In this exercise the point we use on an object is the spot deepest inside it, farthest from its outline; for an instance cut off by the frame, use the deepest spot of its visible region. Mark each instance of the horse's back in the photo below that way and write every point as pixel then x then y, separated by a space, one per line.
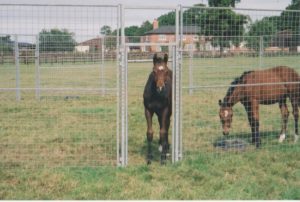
pixel 274 84
pixel 278 74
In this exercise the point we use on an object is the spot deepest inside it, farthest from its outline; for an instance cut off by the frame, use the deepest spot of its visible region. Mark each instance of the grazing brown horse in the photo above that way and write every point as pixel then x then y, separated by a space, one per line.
pixel 158 100
pixel 265 87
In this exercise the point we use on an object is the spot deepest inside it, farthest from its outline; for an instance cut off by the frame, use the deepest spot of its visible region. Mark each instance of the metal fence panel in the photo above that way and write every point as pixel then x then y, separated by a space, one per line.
pixel 63 71
pixel 229 42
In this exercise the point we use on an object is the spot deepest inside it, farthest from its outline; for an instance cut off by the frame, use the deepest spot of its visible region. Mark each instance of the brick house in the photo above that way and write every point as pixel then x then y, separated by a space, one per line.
pixel 166 34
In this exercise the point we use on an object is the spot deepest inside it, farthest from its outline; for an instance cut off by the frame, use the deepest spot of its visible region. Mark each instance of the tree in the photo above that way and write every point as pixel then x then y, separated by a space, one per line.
pixel 222 3
pixel 261 28
pixel 290 21
pixel 145 27
pixel 192 15
pixel 56 40
pixel 224 26
pixel 167 19
pixel 105 30
pixel 6 44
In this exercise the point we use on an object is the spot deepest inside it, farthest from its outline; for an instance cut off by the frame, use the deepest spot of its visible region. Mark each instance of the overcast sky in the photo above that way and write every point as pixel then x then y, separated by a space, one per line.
pixel 86 22
pixel 268 4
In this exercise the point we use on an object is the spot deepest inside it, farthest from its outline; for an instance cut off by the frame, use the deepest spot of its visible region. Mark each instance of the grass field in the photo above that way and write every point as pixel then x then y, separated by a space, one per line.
pixel 65 147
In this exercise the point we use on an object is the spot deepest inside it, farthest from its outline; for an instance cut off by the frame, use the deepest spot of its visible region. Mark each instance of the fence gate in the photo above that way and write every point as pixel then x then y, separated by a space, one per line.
pixel 132 80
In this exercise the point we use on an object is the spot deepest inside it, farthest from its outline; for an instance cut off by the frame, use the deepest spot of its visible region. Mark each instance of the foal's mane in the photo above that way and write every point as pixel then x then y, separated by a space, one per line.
pixel 236 81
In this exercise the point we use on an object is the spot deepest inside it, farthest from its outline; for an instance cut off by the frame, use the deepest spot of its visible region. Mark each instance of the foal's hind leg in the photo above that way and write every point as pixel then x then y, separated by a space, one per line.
pixel 149 115
pixel 296 117
pixel 285 115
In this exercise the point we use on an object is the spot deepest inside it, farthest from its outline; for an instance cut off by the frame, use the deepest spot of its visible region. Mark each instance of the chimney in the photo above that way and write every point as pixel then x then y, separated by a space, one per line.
pixel 155 24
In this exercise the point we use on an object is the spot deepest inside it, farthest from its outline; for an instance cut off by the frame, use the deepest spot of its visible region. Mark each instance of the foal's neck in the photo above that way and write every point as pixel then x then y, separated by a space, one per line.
pixel 234 97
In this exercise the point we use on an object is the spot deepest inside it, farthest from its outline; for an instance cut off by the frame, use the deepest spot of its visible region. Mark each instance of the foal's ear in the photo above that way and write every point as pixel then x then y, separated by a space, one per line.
pixel 166 58
pixel 154 58
pixel 220 103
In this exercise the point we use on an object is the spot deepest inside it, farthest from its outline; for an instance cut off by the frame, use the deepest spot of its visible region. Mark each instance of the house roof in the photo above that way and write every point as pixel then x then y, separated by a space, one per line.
pixel 171 30
pixel 91 42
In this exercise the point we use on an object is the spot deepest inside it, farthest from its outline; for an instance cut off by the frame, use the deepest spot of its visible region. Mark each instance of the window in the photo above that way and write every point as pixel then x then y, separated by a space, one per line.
pixel 162 37
pixel 196 38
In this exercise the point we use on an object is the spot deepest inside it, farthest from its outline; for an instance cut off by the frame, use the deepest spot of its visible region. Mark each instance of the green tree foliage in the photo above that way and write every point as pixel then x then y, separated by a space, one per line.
pixel 290 21
pixel 145 27
pixel 6 44
pixel 56 40
pixel 264 28
pixel 272 29
pixel 134 32
pixel 167 19
pixel 193 15
pixel 222 3
pixel 105 30
pixel 225 26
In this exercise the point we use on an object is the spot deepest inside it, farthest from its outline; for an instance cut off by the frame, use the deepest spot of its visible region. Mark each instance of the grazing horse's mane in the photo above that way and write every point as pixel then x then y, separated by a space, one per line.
pixel 236 81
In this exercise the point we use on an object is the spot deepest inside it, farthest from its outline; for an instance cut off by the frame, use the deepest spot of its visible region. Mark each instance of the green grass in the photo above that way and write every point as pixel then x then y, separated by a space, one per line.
pixel 257 175
pixel 59 148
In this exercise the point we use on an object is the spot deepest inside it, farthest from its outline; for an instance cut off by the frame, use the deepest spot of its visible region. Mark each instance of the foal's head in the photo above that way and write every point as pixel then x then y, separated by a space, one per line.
pixel 225 114
pixel 160 70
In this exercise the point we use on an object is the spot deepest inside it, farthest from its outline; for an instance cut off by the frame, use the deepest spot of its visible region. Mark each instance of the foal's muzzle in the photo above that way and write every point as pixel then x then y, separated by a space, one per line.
pixel 161 89
pixel 225 133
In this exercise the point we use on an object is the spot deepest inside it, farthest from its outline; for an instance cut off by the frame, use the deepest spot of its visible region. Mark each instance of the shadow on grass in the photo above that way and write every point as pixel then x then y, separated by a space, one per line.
pixel 242 140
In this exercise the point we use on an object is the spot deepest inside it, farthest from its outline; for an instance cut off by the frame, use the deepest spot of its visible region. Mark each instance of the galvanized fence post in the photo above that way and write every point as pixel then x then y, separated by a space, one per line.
pixel 102 65
pixel 180 10
pixel 191 72
pixel 123 95
pixel 118 55
pixel 17 64
pixel 261 50
pixel 176 133
pixel 37 68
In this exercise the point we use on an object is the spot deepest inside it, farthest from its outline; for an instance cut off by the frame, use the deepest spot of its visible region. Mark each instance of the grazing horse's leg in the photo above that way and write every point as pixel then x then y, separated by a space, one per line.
pixel 164 134
pixel 149 115
pixel 285 115
pixel 252 109
pixel 296 117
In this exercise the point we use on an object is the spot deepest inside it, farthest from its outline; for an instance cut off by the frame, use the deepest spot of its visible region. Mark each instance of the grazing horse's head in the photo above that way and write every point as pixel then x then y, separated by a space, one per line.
pixel 160 70
pixel 225 114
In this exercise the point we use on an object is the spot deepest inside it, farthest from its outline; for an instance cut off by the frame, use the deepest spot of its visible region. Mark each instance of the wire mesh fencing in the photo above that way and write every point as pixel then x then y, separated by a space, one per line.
pixel 70 87
pixel 58 86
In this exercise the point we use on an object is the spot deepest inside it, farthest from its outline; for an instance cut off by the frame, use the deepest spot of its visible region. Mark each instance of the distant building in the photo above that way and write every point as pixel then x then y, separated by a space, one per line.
pixel 89 45
pixel 166 34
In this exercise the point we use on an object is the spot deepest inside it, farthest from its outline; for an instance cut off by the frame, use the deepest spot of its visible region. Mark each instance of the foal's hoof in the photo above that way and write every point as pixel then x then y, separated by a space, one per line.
pixel 296 138
pixel 281 138
pixel 163 160
pixel 149 159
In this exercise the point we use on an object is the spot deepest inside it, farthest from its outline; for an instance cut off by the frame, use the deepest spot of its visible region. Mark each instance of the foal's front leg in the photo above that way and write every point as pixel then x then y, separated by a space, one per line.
pixel 252 109
pixel 164 125
pixel 285 115
pixel 149 115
